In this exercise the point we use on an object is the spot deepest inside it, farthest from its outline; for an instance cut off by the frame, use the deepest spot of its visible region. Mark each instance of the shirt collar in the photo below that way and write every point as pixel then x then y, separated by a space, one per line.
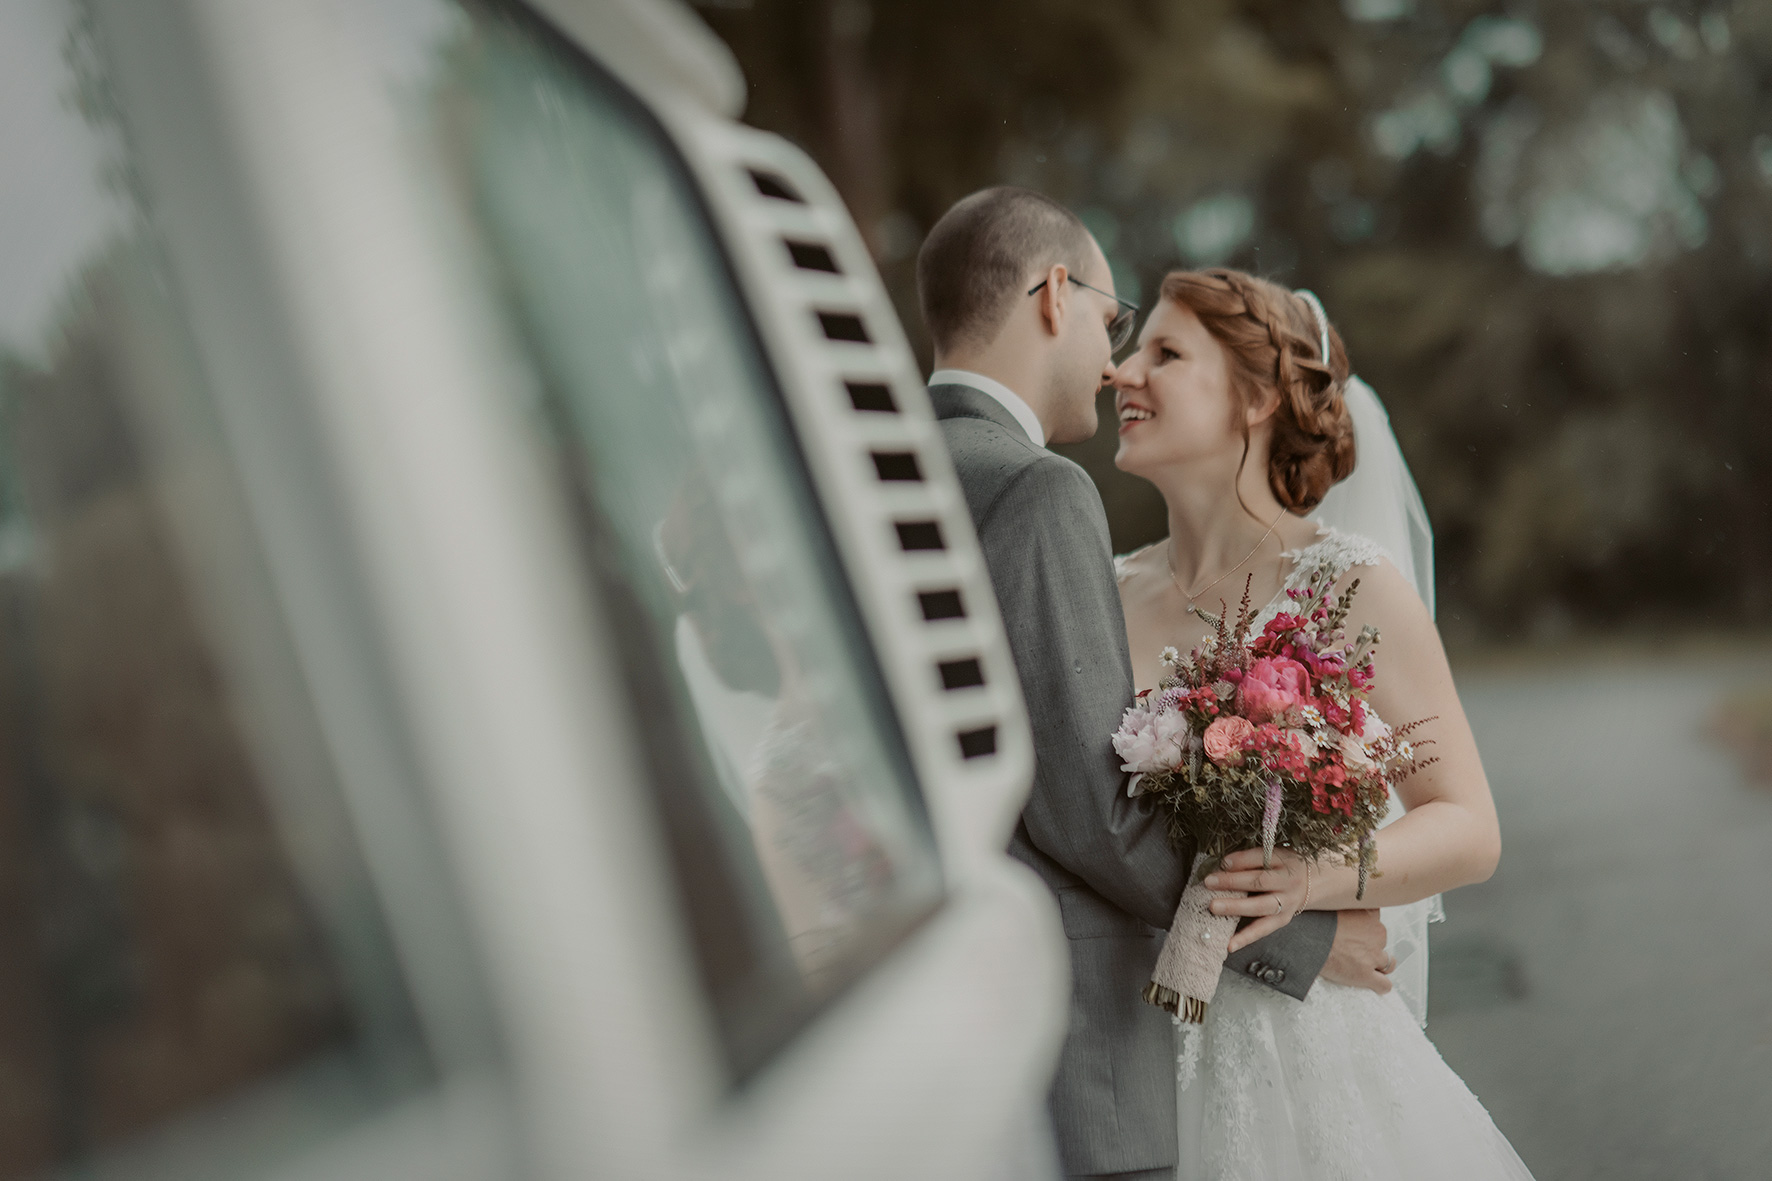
pixel 1023 413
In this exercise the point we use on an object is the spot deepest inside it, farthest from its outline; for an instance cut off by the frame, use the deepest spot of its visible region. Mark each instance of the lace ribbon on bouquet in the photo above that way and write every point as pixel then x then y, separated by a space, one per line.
pixel 1186 976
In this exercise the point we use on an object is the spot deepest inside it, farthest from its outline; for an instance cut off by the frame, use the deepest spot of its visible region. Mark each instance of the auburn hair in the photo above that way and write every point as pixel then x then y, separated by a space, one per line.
pixel 1271 337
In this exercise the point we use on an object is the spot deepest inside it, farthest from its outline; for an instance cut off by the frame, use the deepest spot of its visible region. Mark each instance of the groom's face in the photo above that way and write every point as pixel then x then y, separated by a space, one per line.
pixel 1084 359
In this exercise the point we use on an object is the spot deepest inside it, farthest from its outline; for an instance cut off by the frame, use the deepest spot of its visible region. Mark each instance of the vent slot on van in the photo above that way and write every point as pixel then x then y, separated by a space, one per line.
pixel 961 674
pixel 810 256
pixel 771 185
pixel 920 535
pixel 871 397
pixel 845 326
pixel 898 466
pixel 977 743
pixel 938 605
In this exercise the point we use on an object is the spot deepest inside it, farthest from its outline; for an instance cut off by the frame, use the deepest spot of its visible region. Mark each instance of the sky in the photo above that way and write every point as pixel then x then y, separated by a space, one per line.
pixel 54 212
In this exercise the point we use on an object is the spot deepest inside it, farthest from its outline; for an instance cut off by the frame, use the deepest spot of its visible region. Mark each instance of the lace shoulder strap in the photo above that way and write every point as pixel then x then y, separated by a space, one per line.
pixel 1337 550
pixel 1120 560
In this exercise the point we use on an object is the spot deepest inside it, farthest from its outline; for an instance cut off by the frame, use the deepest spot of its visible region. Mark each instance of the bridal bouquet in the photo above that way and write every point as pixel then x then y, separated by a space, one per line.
pixel 1262 739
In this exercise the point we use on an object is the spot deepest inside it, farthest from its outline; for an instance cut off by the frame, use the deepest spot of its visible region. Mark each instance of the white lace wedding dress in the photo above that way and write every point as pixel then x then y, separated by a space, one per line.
pixel 1343 1084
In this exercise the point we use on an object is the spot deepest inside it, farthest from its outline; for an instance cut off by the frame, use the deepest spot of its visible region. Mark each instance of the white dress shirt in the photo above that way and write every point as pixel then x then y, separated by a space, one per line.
pixel 1024 414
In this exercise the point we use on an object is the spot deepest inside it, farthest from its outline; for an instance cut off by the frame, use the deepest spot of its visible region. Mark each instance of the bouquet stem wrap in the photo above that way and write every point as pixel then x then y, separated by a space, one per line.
pixel 1186 976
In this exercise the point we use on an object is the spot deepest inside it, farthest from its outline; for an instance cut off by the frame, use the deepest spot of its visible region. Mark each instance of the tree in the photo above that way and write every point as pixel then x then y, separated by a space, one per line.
pixel 1542 231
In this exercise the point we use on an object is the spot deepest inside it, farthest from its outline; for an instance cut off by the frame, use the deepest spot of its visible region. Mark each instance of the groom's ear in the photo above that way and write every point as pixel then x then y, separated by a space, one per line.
pixel 1053 297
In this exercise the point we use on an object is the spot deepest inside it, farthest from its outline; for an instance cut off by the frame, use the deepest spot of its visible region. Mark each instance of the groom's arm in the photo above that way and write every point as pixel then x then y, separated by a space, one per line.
pixel 1045 540
pixel 1290 959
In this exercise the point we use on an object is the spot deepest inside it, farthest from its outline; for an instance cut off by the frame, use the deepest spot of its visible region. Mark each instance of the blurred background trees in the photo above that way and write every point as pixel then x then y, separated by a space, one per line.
pixel 1545 231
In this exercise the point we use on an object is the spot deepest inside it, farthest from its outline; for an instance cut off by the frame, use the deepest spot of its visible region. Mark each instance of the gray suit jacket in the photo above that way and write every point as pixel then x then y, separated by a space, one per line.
pixel 1109 859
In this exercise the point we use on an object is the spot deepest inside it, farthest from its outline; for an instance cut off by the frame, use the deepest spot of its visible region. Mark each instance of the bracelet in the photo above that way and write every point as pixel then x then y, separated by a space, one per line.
pixel 1306 904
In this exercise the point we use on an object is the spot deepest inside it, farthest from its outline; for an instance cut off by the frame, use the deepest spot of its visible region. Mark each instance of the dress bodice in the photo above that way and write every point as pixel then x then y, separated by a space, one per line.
pixel 1339 551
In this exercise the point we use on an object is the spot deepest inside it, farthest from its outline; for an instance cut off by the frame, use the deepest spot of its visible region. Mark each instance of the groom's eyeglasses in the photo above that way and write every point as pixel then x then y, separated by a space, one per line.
pixel 1120 329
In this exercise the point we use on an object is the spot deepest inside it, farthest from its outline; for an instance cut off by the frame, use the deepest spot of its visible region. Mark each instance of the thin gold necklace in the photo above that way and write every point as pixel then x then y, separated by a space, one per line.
pixel 1191 598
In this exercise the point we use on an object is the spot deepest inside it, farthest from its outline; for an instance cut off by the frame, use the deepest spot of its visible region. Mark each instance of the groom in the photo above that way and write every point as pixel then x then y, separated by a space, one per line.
pixel 1020 303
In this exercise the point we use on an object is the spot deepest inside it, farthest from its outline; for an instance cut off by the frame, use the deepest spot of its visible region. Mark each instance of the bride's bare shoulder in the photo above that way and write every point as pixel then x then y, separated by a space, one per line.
pixel 1386 599
pixel 1379 578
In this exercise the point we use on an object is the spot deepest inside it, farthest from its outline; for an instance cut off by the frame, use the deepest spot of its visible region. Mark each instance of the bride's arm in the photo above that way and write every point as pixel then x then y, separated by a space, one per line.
pixel 1449 837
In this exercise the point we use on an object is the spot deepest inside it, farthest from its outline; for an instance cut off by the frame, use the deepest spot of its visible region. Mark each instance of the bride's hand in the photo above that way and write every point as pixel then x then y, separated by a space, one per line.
pixel 1274 895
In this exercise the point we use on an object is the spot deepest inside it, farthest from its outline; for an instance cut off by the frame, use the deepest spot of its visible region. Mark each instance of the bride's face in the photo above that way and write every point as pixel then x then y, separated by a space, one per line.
pixel 1174 396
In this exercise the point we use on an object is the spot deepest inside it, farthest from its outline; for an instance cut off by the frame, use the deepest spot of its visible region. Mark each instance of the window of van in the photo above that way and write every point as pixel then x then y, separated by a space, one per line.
pixel 801 847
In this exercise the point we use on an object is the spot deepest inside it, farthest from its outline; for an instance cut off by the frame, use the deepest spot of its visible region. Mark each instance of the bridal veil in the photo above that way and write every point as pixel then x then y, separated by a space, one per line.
pixel 1380 502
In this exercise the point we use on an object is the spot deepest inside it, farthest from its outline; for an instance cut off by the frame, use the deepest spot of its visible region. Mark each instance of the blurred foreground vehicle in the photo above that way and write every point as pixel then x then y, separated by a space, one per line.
pixel 496 676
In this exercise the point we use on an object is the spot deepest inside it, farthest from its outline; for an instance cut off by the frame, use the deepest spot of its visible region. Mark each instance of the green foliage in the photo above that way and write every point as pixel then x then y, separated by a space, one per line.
pixel 1588 429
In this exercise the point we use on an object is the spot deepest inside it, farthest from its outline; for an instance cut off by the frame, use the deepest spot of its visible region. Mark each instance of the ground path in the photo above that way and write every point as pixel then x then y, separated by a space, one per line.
pixel 1608 994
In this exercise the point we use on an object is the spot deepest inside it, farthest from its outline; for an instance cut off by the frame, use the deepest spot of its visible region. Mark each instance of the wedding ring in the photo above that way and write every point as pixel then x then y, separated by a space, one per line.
pixel 1279 905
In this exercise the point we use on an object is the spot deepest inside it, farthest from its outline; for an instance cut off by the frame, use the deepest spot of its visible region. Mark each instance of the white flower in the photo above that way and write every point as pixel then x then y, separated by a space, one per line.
pixel 1169 658
pixel 1307 746
pixel 1151 740
pixel 1356 756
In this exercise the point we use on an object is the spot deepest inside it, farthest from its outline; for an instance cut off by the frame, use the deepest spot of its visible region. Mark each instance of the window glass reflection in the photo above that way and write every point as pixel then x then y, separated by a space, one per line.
pixel 798 834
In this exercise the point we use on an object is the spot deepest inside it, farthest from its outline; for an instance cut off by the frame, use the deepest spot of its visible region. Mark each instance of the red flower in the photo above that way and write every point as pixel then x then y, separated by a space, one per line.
pixel 1281 624
pixel 1326 776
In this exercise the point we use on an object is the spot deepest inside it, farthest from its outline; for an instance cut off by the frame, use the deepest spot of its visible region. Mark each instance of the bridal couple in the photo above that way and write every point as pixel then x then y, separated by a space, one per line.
pixel 1239 406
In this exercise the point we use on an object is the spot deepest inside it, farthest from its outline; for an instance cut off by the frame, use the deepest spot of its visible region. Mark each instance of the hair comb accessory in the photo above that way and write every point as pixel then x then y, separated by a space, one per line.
pixel 1310 297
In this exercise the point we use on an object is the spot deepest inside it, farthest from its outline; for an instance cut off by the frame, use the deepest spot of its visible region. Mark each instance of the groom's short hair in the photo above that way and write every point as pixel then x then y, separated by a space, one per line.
pixel 972 265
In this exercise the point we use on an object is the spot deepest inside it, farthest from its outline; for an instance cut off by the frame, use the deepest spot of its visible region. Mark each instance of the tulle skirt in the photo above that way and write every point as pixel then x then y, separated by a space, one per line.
pixel 1343 1084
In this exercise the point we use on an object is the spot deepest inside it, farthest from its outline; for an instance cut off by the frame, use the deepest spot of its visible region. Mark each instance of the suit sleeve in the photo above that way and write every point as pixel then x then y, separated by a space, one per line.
pixel 1045 540
pixel 1299 950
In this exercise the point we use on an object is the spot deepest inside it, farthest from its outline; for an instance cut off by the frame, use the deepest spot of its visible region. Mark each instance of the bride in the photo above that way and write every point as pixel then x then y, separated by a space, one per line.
pixel 1237 407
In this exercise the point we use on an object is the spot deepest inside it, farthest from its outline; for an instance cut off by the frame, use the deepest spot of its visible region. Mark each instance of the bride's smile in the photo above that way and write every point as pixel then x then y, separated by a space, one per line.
pixel 1131 413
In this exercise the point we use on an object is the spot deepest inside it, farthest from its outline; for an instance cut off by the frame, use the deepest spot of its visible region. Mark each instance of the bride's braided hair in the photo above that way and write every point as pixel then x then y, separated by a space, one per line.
pixel 1272 339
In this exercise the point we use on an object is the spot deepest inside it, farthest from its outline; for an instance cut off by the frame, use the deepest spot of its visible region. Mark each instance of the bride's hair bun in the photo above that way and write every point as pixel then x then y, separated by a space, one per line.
pixel 1272 338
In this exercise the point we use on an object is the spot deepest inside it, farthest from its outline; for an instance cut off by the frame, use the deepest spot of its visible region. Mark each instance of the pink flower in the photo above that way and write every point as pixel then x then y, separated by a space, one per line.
pixel 1225 738
pixel 1273 686
pixel 1375 729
